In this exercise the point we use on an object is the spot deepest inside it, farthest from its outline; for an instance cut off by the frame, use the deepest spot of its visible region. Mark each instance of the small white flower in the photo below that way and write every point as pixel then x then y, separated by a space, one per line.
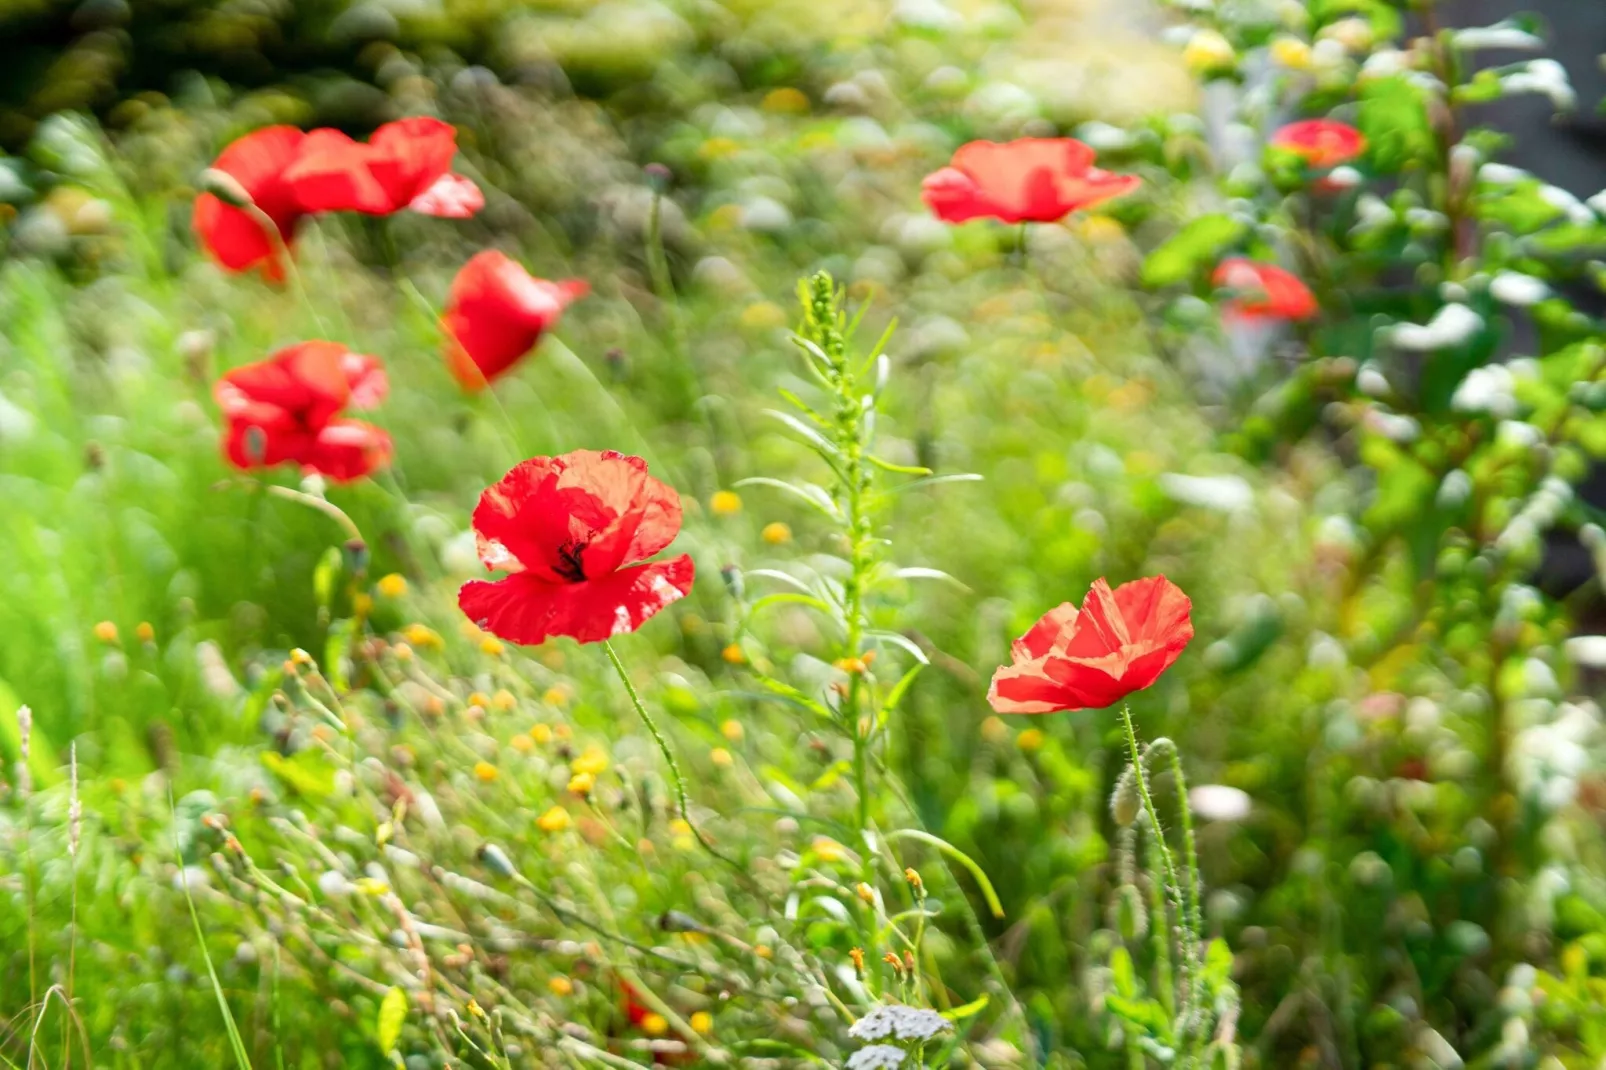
pixel 1104 137
pixel 877 1057
pixel 905 1023
pixel 1455 490
pixel 1453 325
pixel 1501 174
pixel 1219 802
pixel 1543 76
pixel 1577 211
pixel 1503 34
pixel 1487 389
pixel 333 883
pixel 1343 177
pixel 1588 651
pixel 1515 288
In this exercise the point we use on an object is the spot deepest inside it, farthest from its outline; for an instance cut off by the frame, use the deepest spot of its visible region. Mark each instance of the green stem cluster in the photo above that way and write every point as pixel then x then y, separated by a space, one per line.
pixel 1180 898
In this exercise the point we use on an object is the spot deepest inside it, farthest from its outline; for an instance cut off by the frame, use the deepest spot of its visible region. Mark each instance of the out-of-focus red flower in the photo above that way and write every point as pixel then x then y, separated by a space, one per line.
pixel 405 164
pixel 289 174
pixel 1321 143
pixel 234 236
pixel 287 409
pixel 568 529
pixel 1264 291
pixel 1030 180
pixel 496 312
pixel 1119 642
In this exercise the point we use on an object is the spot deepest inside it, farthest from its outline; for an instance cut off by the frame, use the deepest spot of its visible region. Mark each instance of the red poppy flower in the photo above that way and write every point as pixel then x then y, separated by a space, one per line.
pixel 287 408
pixel 405 164
pixel 1265 291
pixel 1119 642
pixel 1321 143
pixel 258 162
pixel 495 313
pixel 1031 180
pixel 568 529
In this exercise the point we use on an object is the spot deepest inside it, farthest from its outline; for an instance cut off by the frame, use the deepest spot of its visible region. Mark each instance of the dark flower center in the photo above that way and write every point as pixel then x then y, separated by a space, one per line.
pixel 569 565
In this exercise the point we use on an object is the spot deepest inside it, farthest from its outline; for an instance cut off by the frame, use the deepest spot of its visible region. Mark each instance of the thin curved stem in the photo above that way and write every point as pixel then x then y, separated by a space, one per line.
pixel 679 781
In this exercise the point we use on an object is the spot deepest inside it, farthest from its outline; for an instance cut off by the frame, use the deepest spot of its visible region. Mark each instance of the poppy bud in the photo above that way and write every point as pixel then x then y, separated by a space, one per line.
pixel 673 921
pixel 733 581
pixel 496 860
pixel 1131 915
pixel 1159 751
pixel 1125 801
pixel 225 187
pixel 356 554
pixel 659 177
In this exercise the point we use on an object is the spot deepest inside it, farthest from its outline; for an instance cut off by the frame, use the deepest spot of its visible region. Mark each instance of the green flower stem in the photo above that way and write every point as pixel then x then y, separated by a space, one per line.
pixel 658 737
pixel 1188 936
pixel 681 802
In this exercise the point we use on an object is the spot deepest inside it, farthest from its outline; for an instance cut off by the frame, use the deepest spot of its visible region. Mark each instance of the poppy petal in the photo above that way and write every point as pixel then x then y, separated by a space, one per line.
pixel 332 174
pixel 1023 688
pixel 495 313
pixel 1051 631
pixel 409 155
pixel 235 237
pixel 348 449
pixel 525 609
pixel 449 197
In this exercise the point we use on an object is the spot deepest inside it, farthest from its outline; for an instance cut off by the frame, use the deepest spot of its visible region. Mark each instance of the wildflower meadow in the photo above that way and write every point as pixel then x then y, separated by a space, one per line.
pixel 876 534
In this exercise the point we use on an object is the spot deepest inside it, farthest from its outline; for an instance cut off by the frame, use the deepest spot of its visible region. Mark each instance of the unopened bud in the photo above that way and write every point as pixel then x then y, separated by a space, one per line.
pixel 659 176
pixel 496 860
pixel 865 892
pixel 913 877
pixel 225 187
pixel 356 554
pixel 1131 915
pixel 1125 800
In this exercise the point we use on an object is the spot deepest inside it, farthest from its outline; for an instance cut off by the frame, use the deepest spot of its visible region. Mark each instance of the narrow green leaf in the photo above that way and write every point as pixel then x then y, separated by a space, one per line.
pixel 957 855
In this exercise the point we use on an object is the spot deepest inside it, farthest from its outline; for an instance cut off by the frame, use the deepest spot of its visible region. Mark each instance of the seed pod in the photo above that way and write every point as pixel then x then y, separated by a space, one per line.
pixel 1125 801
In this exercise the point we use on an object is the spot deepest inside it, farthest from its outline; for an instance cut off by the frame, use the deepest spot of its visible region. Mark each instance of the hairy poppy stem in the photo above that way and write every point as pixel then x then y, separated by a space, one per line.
pixel 669 757
pixel 1174 888
pixel 652 726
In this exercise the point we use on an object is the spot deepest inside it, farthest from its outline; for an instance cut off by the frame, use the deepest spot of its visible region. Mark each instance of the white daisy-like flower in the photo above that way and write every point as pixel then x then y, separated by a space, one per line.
pixel 896 1020
pixel 877 1057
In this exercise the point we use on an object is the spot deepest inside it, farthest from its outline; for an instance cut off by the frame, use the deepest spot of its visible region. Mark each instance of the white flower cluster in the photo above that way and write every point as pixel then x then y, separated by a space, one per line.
pixel 877 1057
pixel 905 1023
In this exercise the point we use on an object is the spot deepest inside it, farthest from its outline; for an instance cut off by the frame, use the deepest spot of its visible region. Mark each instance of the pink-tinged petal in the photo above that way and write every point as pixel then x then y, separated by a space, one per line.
pixel 1092 683
pixel 451 196
pixel 366 379
pixel 1100 629
pixel 409 155
pixel 953 197
pixel 524 609
pixel 1053 630
pixel 1023 688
